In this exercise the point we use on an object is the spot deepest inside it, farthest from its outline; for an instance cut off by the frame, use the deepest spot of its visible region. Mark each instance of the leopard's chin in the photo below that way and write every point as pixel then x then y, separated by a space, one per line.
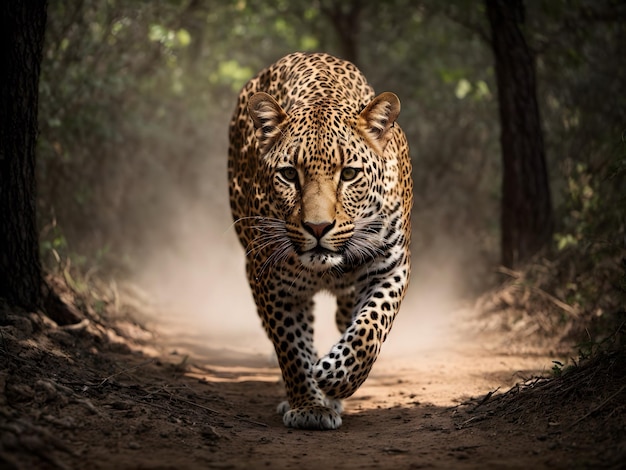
pixel 320 259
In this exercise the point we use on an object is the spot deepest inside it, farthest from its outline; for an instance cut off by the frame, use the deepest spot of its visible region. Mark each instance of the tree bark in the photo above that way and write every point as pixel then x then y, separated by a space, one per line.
pixel 344 16
pixel 526 211
pixel 22 27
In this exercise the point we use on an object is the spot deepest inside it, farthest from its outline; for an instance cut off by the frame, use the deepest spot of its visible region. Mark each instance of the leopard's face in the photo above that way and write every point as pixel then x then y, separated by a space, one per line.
pixel 327 186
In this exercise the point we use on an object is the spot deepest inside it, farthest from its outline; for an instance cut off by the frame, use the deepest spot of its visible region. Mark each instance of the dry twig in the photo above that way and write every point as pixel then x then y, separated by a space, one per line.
pixel 599 407
pixel 125 371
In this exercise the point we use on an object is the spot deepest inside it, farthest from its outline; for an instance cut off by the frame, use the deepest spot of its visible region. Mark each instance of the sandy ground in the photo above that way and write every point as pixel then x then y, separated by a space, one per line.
pixel 115 393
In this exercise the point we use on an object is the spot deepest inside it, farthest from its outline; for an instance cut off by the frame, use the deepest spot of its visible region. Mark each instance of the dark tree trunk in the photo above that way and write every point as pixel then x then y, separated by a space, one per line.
pixel 344 16
pixel 526 217
pixel 22 26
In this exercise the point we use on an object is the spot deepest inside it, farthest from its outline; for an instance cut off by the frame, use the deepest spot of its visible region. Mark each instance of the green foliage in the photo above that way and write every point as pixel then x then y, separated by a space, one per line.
pixel 592 254
pixel 558 368
pixel 595 204
pixel 231 73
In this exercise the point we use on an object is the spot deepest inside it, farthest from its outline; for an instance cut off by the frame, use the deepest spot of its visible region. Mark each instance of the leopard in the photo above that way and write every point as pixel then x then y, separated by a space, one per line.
pixel 321 194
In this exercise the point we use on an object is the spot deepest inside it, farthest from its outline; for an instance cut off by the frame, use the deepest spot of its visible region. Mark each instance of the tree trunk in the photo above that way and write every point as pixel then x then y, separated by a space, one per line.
pixel 22 27
pixel 344 16
pixel 526 212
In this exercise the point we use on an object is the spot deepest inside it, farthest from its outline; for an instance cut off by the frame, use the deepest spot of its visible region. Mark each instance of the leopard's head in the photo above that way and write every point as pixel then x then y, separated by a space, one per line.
pixel 326 176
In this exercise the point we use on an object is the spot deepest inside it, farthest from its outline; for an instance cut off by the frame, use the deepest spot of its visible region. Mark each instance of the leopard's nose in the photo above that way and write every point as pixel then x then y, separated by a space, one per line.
pixel 318 230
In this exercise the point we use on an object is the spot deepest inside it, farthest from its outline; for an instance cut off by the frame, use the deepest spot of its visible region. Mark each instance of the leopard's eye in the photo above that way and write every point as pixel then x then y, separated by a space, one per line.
pixel 348 173
pixel 289 173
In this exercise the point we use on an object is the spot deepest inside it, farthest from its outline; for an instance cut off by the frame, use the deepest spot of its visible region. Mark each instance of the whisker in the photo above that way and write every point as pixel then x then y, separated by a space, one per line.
pixel 272 241
pixel 277 256
pixel 361 248
pixel 257 217
pixel 297 276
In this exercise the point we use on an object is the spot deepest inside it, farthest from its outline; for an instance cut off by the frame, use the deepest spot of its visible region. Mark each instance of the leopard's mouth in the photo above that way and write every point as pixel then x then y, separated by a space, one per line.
pixel 317 250
pixel 320 258
pixel 321 251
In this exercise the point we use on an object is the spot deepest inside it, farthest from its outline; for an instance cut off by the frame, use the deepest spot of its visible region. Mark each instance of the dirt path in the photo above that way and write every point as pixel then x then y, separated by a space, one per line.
pixel 113 395
pixel 405 416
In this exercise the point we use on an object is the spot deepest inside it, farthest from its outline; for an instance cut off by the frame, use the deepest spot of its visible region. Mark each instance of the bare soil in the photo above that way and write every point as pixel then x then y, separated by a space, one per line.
pixel 111 392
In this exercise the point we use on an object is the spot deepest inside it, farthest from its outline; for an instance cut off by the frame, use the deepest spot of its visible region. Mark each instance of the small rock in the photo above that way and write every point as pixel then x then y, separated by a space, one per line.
pixel 210 433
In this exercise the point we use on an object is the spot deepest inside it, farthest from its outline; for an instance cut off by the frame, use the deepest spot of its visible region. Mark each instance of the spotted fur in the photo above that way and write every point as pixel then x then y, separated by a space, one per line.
pixel 321 195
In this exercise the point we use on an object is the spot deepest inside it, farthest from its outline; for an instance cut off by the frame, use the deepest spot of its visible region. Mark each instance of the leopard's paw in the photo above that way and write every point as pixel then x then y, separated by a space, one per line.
pixel 312 417
pixel 283 407
pixel 336 405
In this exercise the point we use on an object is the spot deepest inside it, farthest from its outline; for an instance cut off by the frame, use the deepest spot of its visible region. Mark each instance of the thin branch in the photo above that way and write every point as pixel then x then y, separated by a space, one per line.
pixel 599 407
pixel 559 303
pixel 125 371
pixel 485 399
pixel 473 27
pixel 211 410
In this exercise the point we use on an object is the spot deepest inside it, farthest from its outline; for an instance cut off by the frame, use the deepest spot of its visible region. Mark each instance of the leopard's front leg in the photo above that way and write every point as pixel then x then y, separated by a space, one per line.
pixel 342 371
pixel 288 321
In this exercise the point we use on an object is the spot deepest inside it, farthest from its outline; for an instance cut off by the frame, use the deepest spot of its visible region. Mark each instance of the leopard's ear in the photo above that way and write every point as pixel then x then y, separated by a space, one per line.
pixel 376 120
pixel 268 117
